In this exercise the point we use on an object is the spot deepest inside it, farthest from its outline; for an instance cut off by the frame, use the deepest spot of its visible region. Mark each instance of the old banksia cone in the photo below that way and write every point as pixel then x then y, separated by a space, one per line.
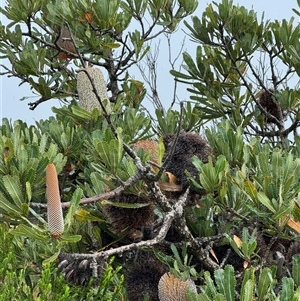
pixel 171 288
pixel 266 100
pixel 142 276
pixel 87 97
pixel 65 42
pixel 129 222
pixel 187 146
pixel 54 209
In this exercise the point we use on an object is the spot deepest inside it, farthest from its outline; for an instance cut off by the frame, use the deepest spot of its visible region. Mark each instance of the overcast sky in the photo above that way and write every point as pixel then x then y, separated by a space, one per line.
pixel 10 92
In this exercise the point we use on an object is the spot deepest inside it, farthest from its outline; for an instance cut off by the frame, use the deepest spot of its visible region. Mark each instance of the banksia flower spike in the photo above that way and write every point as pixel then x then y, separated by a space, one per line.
pixel 87 98
pixel 171 288
pixel 54 209
pixel 148 145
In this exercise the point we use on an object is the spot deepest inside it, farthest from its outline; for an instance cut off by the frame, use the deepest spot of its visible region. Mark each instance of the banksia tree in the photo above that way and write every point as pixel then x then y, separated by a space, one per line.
pixel 171 288
pixel 54 209
pixel 87 98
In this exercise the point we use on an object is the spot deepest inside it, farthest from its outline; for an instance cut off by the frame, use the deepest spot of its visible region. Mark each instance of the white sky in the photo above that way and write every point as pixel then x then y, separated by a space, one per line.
pixel 10 92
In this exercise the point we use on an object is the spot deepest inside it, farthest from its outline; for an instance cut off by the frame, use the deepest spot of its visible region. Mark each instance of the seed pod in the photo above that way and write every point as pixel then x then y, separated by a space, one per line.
pixel 267 102
pixel 64 42
pixel 128 221
pixel 142 275
pixel 54 209
pixel 188 145
pixel 87 98
pixel 171 288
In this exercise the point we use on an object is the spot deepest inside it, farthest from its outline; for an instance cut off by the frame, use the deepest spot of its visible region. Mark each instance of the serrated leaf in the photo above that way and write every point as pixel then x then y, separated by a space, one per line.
pixel 266 201
pixel 251 190
pixel 220 297
pixel 296 269
pixel 200 297
pixel 229 282
pixel 13 187
pixel 219 279
pixel 247 292
pixel 212 291
pixel 287 291
pixel 264 282
pixel 22 160
pixel 97 182
pixel 28 191
pixel 26 231
pixel 8 207
pixel 52 152
pixel 70 238
pixel 51 259
pixel 81 113
pixel 284 210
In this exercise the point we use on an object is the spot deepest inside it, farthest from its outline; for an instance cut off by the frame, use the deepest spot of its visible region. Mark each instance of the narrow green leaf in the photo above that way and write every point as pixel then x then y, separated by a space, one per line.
pixel 266 201
pixel 125 205
pixel 284 210
pixel 76 197
pixel 120 143
pixel 247 290
pixel 251 190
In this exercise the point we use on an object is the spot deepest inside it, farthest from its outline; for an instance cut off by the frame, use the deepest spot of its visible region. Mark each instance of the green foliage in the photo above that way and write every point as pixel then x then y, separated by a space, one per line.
pixel 101 31
pixel 244 200
pixel 179 264
pixel 221 72
pixel 167 122
pixel 26 153
pixel 246 249
pixel 261 286
pixel 26 279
